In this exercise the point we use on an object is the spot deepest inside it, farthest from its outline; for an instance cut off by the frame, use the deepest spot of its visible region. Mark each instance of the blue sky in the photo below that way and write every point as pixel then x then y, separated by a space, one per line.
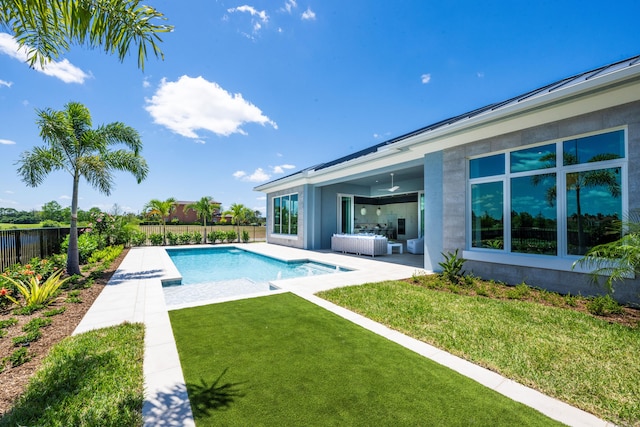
pixel 252 90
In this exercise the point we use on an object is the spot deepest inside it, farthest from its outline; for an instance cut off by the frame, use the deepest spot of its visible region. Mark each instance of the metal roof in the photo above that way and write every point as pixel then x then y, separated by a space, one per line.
pixel 555 86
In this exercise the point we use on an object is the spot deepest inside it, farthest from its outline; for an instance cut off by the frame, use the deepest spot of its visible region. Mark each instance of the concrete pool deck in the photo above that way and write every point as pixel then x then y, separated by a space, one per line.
pixel 134 294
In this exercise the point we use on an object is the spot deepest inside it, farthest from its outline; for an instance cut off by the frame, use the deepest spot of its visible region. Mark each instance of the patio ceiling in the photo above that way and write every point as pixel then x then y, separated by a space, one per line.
pixel 382 178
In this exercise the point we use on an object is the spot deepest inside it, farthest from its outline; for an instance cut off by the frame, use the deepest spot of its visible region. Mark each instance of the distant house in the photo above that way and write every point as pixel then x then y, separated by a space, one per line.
pixel 189 216
pixel 523 187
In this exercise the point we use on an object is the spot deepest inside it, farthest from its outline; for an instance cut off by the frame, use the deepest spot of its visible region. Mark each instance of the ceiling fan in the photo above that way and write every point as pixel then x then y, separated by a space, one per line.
pixel 393 187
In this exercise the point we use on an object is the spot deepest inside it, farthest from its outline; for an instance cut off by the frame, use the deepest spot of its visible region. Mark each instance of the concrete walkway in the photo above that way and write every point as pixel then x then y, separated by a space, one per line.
pixel 134 294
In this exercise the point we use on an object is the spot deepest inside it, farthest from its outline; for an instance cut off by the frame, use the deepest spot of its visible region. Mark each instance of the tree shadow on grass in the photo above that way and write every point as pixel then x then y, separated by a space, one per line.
pixel 206 398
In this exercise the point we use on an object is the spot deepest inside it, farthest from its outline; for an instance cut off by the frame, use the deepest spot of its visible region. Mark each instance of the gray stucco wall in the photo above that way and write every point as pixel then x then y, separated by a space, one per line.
pixel 454 193
pixel 433 210
pixel 279 239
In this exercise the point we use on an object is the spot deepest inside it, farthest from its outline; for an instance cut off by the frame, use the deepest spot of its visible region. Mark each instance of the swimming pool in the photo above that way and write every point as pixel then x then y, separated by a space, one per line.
pixel 211 273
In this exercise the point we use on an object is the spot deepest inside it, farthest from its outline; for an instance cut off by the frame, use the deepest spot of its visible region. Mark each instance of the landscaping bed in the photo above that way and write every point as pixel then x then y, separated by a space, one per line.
pixel 76 303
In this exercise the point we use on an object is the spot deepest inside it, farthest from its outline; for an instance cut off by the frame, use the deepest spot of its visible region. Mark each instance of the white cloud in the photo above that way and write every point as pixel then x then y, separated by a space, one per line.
pixel 480 74
pixel 308 15
pixel 62 70
pixel 258 17
pixel 259 175
pixel 7 142
pixel 8 192
pixel 190 104
pixel 8 202
pixel 289 5
pixel 64 197
pixel 5 83
pixel 261 198
pixel 281 168
pixel 426 78
pixel 146 83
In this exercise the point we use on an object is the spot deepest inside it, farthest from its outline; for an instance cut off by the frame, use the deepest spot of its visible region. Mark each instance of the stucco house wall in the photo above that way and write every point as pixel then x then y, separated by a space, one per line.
pixel 297 241
pixel 454 170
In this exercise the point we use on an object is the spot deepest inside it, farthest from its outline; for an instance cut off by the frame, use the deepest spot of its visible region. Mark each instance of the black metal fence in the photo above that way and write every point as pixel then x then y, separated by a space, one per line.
pixel 20 246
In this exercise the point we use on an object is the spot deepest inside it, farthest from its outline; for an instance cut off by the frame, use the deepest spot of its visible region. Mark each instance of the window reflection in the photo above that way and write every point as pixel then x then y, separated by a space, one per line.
pixel 533 215
pixel 486 166
pixel 487 223
pixel 594 208
pixel 542 157
pixel 595 148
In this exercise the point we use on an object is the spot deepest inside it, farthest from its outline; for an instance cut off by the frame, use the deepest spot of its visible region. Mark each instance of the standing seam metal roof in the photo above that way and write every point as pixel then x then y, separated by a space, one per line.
pixel 563 83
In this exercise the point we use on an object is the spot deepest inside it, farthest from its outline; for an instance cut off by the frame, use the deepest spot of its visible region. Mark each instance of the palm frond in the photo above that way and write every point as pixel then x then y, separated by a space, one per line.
pixel 34 166
pixel 48 28
pixel 127 161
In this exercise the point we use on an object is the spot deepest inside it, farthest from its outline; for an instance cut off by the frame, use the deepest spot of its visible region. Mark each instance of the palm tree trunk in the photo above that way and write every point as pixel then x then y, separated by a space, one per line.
pixel 73 255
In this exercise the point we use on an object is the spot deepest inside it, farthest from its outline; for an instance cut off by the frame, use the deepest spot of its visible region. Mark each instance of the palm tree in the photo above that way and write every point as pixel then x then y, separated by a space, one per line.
pixel 163 209
pixel 74 147
pixel 205 208
pixel 239 214
pixel 48 28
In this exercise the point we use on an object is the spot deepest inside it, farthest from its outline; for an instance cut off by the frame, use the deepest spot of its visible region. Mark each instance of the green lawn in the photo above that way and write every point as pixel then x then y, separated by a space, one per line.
pixel 91 379
pixel 280 360
pixel 580 359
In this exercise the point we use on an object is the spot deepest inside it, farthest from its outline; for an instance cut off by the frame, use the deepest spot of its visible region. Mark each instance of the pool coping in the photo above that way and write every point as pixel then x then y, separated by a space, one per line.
pixel 134 294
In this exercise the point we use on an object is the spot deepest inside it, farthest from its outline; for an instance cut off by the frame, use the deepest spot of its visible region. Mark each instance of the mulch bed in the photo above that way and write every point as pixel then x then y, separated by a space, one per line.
pixel 14 380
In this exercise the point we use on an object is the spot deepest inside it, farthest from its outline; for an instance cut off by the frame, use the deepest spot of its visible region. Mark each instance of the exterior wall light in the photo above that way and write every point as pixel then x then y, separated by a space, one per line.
pixel 363 211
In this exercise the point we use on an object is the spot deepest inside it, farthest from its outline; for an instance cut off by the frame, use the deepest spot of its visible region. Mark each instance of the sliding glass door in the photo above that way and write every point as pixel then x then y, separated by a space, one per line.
pixel 345 213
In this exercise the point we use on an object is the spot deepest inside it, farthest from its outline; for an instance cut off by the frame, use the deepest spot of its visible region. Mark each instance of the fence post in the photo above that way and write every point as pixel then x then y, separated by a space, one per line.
pixel 18 247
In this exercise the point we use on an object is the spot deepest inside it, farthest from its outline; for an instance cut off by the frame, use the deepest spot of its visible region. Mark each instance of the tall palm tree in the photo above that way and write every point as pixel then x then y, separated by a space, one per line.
pixel 48 28
pixel 205 208
pixel 162 209
pixel 72 146
pixel 239 213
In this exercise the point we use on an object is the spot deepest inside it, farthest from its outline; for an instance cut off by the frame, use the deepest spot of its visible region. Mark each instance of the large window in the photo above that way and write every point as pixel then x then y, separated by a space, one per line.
pixel 527 201
pixel 285 214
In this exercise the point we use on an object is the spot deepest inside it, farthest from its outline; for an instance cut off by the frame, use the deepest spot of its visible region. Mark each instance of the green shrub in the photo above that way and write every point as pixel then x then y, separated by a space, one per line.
pixel 520 291
pixel 452 266
pixel 35 324
pixel 28 338
pixel 106 255
pixel 231 236
pixel 603 305
pixel 19 357
pixel 196 237
pixel 54 312
pixel 245 236
pixel 155 239
pixel 217 236
pixel 87 244
pixel 139 238
pixel 172 238
pixel 570 300
pixel 36 294
pixel 184 238
pixel 9 322
pixel 49 224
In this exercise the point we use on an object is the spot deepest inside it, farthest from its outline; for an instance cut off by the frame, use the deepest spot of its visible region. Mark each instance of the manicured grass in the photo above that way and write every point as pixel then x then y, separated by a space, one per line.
pixel 280 360
pixel 91 379
pixel 582 360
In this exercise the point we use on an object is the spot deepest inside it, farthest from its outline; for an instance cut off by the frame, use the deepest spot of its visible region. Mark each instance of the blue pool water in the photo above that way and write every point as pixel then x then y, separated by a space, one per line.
pixel 212 273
